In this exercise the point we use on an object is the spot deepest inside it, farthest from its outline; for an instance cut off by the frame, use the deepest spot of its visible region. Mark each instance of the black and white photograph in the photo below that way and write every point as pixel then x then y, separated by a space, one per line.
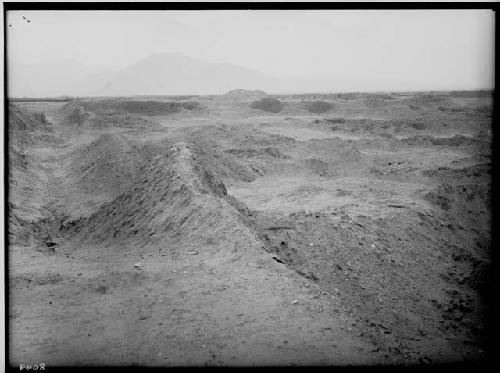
pixel 239 186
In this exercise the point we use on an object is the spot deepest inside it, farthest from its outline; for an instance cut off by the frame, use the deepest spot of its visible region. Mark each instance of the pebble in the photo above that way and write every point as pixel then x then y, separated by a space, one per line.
pixel 311 244
pixel 295 301
pixel 137 265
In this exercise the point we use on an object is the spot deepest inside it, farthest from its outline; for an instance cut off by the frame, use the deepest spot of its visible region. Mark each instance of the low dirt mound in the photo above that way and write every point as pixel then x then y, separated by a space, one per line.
pixel 228 137
pixel 457 140
pixel 329 156
pixel 110 164
pixel 28 130
pixel 140 107
pixel 73 113
pixel 243 152
pixel 269 104
pixel 329 124
pixel 107 120
pixel 25 192
pixel 245 94
pixel 317 165
pixel 376 101
pixel 418 125
pixel 19 120
pixel 87 116
pixel 331 150
pixel 467 173
pixel 318 107
pixel 225 167
pixel 464 194
pixel 27 175
pixel 177 196
pixel 426 101
pixel 472 94
pixel 252 152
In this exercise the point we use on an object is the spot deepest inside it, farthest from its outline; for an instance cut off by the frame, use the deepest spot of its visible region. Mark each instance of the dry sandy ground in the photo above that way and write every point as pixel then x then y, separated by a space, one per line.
pixel 356 236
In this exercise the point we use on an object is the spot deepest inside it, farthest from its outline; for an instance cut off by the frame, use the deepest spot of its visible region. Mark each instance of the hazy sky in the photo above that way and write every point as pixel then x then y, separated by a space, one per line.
pixel 432 48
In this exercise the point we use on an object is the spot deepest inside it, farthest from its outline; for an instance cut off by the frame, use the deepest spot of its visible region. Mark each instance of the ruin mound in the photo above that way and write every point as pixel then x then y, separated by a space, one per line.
pixel 318 107
pixel 245 94
pixel 268 104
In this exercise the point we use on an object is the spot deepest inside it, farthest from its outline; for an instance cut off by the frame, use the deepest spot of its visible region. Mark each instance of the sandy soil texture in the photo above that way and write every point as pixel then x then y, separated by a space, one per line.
pixel 349 229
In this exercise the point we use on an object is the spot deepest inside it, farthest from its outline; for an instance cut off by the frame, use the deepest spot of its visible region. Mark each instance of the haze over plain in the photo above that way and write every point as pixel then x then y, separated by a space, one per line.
pixel 103 53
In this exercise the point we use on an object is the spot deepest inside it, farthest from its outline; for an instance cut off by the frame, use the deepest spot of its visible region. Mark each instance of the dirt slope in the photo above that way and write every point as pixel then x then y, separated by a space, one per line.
pixel 239 237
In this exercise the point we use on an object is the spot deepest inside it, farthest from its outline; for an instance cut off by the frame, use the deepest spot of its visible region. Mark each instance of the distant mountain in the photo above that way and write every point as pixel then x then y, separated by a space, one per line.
pixel 159 74
pixel 54 78
pixel 173 73
pixel 176 74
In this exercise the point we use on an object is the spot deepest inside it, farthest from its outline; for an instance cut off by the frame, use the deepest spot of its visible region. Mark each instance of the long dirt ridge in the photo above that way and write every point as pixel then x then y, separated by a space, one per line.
pixel 318 240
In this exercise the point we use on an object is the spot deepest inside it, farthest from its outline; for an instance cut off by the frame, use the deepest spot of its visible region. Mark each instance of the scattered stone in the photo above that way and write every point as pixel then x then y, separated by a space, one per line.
pixel 278 260
pixel 137 265
pixel 295 301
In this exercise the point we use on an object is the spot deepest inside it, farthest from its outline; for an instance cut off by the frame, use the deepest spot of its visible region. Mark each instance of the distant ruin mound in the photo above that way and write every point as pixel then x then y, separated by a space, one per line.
pixel 140 107
pixel 472 94
pixel 245 94
pixel 269 104
pixel 318 107
pixel 102 115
